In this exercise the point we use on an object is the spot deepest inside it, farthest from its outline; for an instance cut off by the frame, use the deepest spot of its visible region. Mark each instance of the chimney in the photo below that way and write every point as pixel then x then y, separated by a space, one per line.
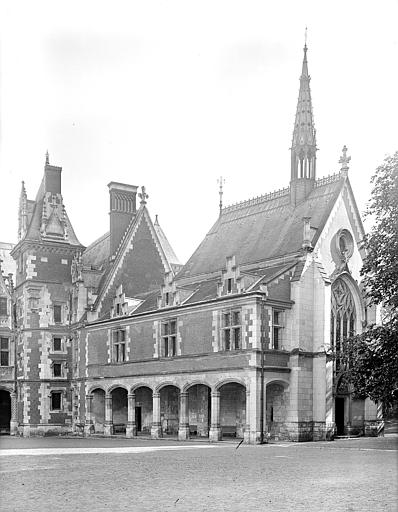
pixel 122 208
pixel 52 177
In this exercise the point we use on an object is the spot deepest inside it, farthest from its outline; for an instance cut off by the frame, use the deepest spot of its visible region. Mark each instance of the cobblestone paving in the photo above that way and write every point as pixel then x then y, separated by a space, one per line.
pixel 346 475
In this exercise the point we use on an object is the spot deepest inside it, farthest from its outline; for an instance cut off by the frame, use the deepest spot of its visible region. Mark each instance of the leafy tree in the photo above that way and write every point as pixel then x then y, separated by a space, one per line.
pixel 380 268
pixel 371 358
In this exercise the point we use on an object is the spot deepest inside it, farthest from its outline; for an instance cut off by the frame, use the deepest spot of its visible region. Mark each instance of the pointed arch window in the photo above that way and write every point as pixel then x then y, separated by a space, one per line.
pixel 343 315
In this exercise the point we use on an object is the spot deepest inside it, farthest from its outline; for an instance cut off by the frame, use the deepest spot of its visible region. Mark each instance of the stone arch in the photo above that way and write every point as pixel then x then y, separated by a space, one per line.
pixel 233 396
pixel 222 383
pixel 140 385
pixel 115 386
pixel 198 382
pixel 159 387
pixel 143 413
pixel 283 382
pixel 169 407
pixel 5 387
pixel 198 408
pixel 94 387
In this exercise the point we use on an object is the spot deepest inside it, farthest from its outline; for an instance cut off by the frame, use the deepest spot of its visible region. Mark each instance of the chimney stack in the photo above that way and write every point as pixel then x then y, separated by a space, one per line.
pixel 122 208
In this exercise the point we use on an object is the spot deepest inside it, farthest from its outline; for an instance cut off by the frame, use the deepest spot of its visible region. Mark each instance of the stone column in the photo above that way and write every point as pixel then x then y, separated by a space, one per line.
pixel 108 427
pixel 14 414
pixel 88 423
pixel 253 409
pixel 131 429
pixel 183 427
pixel 215 433
pixel 156 429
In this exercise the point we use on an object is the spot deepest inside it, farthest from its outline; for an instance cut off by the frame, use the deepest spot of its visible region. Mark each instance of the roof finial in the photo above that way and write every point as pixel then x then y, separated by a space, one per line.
pixel 143 195
pixel 344 161
pixel 47 158
pixel 221 182
pixel 305 39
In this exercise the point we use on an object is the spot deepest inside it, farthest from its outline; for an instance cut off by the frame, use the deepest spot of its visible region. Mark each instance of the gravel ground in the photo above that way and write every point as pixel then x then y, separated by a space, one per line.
pixel 346 475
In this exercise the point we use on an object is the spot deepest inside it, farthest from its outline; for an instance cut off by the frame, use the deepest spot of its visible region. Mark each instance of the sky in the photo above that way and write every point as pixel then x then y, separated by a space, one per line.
pixel 174 94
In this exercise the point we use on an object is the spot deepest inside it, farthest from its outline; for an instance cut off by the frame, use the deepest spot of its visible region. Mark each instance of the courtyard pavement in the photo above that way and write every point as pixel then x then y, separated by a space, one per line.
pixel 116 474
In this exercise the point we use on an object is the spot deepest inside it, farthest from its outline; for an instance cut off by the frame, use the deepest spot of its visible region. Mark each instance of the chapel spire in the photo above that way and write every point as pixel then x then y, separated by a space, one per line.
pixel 303 150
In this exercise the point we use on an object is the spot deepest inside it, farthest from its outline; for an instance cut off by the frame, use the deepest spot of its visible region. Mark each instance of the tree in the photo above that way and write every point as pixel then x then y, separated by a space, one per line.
pixel 371 358
pixel 380 269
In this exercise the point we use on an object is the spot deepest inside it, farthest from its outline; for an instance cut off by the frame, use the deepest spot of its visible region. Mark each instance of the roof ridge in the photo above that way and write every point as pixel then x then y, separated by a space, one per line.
pixel 96 242
pixel 330 178
pixel 256 200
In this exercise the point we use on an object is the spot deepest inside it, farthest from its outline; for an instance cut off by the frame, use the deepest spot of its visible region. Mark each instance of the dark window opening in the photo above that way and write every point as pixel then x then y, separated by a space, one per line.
pixel 57 370
pixel 57 344
pixel 5 352
pixel 57 314
pixel 229 285
pixel 56 400
pixel 3 306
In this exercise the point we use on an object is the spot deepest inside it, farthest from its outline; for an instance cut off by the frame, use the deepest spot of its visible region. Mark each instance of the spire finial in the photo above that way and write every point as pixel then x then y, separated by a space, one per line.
pixel 221 182
pixel 143 195
pixel 344 161
pixel 305 39
pixel 47 158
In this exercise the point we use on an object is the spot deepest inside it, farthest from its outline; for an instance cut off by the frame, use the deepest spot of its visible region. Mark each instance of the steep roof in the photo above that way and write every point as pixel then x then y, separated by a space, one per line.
pixel 35 217
pixel 266 227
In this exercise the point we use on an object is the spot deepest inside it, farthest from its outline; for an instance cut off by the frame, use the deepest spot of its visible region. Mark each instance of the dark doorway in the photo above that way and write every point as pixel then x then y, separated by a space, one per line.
pixel 339 415
pixel 5 412
pixel 138 419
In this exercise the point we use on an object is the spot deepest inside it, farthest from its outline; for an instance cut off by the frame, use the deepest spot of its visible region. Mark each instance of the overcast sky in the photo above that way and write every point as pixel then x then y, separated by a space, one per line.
pixel 173 94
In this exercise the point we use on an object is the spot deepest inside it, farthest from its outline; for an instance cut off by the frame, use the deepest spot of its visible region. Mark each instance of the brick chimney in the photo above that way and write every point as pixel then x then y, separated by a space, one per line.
pixel 122 208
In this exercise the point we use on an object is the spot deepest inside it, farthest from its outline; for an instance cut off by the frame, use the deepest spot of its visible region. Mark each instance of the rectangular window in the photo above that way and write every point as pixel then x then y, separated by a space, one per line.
pixel 5 352
pixel 119 346
pixel 229 285
pixel 57 370
pixel 276 329
pixel 57 314
pixel 3 306
pixel 231 330
pixel 56 400
pixel 57 344
pixel 169 338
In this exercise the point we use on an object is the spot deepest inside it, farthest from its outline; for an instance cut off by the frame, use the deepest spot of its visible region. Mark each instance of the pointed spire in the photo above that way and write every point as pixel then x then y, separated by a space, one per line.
pixel 303 150
pixel 47 158
pixel 22 212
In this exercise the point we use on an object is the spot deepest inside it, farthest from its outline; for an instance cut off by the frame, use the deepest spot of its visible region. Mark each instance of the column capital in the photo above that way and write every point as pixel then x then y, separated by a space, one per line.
pixel 215 393
pixel 89 397
pixel 156 394
pixel 131 395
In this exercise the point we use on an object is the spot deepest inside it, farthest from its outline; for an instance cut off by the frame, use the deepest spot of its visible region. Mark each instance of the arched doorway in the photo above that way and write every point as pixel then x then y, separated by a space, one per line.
pixel 143 409
pixel 232 409
pixel 98 410
pixel 169 409
pixel 5 411
pixel 119 410
pixel 199 410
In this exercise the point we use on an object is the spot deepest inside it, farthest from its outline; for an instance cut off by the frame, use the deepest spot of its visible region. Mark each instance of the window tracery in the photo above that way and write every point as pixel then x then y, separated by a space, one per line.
pixel 343 316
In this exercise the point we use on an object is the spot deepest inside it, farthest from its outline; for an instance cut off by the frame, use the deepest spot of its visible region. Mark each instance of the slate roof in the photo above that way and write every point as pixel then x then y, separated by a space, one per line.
pixel 97 253
pixel 263 228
